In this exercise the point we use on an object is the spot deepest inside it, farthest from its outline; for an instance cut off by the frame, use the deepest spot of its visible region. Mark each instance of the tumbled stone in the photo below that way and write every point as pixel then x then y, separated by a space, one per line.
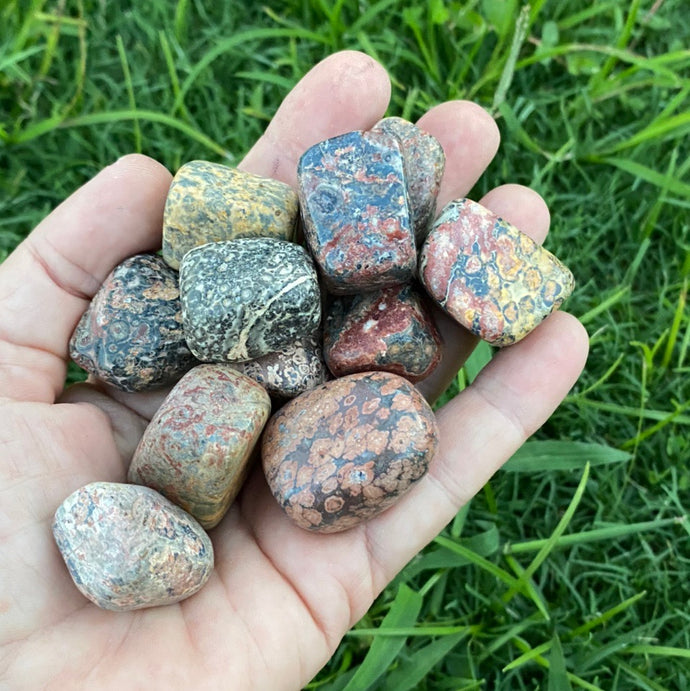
pixel 208 202
pixel 348 449
pixel 389 330
pixel 490 277
pixel 131 335
pixel 245 298
pixel 355 210
pixel 290 371
pixel 127 547
pixel 424 163
pixel 197 449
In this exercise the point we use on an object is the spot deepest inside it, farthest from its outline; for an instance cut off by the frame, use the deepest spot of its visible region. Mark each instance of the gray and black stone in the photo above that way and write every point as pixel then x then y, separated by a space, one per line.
pixel 244 298
pixel 131 335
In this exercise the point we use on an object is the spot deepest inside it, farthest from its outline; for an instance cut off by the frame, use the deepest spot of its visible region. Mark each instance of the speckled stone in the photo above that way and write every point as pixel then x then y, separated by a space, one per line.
pixel 348 449
pixel 424 163
pixel 198 446
pixel 390 330
pixel 490 277
pixel 355 210
pixel 127 547
pixel 208 202
pixel 290 371
pixel 245 298
pixel 131 335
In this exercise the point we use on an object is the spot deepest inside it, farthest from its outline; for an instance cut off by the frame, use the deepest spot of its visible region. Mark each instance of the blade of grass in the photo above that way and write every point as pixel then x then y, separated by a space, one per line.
pixel 550 543
pixel 607 615
pixel 519 35
pixel 535 456
pixel 614 532
pixel 558 672
pixel 403 612
pixel 130 91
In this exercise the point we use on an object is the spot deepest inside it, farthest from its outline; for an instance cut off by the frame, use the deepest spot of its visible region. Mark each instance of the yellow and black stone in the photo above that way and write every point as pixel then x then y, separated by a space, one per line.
pixel 209 202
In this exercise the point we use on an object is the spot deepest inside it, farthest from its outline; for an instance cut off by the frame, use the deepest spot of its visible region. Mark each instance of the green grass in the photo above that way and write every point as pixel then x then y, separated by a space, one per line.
pixel 572 568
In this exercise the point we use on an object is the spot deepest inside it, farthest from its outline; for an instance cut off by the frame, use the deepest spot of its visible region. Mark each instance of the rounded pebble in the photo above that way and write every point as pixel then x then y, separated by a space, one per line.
pixel 197 448
pixel 209 202
pixel 388 330
pixel 348 449
pixel 491 278
pixel 245 298
pixel 131 335
pixel 127 547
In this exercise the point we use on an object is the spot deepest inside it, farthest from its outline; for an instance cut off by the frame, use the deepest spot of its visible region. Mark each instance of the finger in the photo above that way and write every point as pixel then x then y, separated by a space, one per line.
pixel 469 138
pixel 346 91
pixel 46 283
pixel 479 430
pixel 526 210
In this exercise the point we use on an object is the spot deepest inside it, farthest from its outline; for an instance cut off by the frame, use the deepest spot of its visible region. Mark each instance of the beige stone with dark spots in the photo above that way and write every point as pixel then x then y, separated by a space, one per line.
pixel 209 202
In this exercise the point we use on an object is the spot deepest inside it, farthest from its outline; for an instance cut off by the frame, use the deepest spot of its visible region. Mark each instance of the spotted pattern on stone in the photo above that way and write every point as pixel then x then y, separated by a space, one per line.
pixel 127 547
pixel 245 298
pixel 209 202
pixel 290 371
pixel 348 449
pixel 197 449
pixel 490 277
pixel 390 330
pixel 424 162
pixel 355 210
pixel 131 335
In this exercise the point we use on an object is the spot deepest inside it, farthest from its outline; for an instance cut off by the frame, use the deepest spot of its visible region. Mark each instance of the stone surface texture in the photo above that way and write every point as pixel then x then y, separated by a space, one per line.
pixel 389 330
pixel 345 451
pixel 245 298
pixel 197 448
pixel 127 547
pixel 424 162
pixel 290 371
pixel 131 335
pixel 355 210
pixel 490 277
pixel 208 202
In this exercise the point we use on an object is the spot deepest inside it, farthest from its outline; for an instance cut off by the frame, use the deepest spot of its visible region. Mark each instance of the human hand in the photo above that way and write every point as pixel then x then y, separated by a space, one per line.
pixel 280 599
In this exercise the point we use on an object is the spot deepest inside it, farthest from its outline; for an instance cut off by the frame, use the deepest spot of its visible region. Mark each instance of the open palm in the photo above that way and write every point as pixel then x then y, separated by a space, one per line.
pixel 279 599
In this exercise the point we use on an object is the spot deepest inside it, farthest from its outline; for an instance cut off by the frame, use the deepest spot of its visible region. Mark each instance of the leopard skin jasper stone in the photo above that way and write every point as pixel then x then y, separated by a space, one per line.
pixel 490 277
pixel 348 449
pixel 245 298
pixel 424 162
pixel 390 330
pixel 355 212
pixel 197 448
pixel 131 335
pixel 208 202
pixel 127 547
pixel 290 371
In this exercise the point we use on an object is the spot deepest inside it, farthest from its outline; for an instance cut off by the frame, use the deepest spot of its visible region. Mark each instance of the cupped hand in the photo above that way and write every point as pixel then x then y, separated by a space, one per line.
pixel 280 599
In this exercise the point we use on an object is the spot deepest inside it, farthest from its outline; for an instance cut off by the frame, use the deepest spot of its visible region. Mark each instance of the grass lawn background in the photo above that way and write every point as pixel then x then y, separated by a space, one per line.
pixel 592 100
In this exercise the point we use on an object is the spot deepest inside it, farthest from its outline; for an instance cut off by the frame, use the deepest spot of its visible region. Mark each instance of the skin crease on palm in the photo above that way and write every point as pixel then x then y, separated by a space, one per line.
pixel 280 599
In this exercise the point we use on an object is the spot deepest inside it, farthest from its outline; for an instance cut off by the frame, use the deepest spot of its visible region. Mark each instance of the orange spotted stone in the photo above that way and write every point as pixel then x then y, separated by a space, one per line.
pixel 348 449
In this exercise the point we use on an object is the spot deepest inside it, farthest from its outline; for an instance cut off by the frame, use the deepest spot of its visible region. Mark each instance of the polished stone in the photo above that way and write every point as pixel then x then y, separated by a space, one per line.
pixel 245 298
pixel 424 162
pixel 131 335
pixel 390 330
pixel 290 371
pixel 355 210
pixel 127 547
pixel 209 202
pixel 348 449
pixel 197 448
pixel 490 277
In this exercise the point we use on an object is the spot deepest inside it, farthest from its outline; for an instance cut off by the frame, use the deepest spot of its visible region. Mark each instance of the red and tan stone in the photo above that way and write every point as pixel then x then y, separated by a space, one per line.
pixel 198 446
pixel 490 277
pixel 348 449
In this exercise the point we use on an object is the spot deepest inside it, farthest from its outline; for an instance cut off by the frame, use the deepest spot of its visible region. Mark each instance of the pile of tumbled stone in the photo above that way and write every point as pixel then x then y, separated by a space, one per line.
pixel 241 329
